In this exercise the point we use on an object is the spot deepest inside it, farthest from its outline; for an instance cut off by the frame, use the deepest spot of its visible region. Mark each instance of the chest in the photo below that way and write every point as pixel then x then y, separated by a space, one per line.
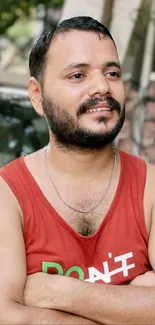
pixel 108 256
pixel 115 253
pixel 83 208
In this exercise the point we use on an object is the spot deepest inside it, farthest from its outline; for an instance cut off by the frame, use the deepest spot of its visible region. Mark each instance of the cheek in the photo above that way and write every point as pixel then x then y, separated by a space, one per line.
pixel 120 95
pixel 66 96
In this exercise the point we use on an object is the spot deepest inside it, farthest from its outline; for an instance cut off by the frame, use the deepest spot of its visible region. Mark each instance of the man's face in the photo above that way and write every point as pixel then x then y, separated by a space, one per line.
pixel 83 93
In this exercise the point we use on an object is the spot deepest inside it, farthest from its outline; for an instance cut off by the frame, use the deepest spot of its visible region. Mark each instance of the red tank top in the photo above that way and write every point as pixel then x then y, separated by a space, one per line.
pixel 116 253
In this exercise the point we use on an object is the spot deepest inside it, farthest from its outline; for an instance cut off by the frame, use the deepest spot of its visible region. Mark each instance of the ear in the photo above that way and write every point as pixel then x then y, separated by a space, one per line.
pixel 35 94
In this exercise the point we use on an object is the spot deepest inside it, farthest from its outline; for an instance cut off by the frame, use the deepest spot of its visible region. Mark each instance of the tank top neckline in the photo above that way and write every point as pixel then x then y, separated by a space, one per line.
pixel 31 180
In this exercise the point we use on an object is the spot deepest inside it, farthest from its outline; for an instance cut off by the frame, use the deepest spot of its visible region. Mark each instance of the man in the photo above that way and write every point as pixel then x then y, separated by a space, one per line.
pixel 78 207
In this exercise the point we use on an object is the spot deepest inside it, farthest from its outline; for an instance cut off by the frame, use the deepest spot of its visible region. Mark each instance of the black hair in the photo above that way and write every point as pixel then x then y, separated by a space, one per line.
pixel 38 55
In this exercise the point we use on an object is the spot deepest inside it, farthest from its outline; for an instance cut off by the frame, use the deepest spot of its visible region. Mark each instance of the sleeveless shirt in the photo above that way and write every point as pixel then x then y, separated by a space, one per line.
pixel 116 253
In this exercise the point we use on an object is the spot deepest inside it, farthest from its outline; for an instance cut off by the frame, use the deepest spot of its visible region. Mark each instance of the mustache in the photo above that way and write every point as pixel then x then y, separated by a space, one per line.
pixel 91 102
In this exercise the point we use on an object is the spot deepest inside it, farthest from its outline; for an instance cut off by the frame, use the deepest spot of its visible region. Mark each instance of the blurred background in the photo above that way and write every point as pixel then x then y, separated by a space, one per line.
pixel 132 24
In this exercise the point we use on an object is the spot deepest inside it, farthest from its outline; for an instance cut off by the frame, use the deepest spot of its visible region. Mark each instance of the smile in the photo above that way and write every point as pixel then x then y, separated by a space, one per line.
pixel 99 109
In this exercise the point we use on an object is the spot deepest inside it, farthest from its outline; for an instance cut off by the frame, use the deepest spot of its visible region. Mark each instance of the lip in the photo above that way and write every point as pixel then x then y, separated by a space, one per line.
pixel 106 114
pixel 101 105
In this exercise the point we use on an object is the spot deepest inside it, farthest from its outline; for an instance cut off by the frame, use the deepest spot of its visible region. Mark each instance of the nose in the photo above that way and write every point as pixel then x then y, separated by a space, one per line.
pixel 99 85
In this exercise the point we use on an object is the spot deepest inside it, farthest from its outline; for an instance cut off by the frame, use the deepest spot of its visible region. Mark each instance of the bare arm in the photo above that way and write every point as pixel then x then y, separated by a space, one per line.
pixel 106 304
pixel 109 304
pixel 13 271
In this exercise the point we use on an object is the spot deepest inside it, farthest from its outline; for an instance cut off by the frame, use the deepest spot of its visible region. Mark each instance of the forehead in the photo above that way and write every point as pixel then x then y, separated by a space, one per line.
pixel 81 46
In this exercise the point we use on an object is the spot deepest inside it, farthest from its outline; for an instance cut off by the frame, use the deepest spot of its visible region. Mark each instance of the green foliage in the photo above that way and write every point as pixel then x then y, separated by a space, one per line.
pixel 12 10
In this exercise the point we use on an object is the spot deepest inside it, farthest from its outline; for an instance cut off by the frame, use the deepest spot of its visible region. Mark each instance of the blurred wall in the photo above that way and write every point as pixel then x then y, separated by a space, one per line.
pixel 93 8
pixel 122 23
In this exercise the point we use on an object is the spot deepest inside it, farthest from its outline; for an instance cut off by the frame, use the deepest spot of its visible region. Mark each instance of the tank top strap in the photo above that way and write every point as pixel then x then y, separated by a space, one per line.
pixel 16 175
pixel 134 180
pixel 134 169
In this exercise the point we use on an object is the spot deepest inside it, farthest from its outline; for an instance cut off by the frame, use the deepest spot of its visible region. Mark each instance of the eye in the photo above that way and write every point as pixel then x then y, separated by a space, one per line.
pixel 114 74
pixel 77 75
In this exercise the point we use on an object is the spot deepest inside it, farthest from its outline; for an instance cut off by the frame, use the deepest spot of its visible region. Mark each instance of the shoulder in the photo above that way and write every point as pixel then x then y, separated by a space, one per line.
pixel 134 165
pixel 143 173
pixel 131 158
pixel 140 165
pixel 150 182
pixel 8 201
pixel 15 178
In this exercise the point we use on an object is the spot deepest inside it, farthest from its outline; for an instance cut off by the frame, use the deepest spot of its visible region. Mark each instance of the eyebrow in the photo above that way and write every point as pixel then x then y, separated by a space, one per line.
pixel 113 64
pixel 86 65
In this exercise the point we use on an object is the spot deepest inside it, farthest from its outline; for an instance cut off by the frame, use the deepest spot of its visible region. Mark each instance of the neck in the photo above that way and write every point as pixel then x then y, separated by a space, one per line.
pixel 80 164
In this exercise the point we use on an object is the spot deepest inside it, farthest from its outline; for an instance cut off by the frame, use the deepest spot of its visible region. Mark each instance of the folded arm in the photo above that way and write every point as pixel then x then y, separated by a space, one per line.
pixel 105 304
pixel 110 304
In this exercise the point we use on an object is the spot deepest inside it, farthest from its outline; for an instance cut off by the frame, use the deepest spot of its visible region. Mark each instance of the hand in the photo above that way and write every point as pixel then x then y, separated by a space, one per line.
pixel 147 279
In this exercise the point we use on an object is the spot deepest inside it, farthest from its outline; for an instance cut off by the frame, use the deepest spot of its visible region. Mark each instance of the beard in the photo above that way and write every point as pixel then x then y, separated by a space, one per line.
pixel 70 135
